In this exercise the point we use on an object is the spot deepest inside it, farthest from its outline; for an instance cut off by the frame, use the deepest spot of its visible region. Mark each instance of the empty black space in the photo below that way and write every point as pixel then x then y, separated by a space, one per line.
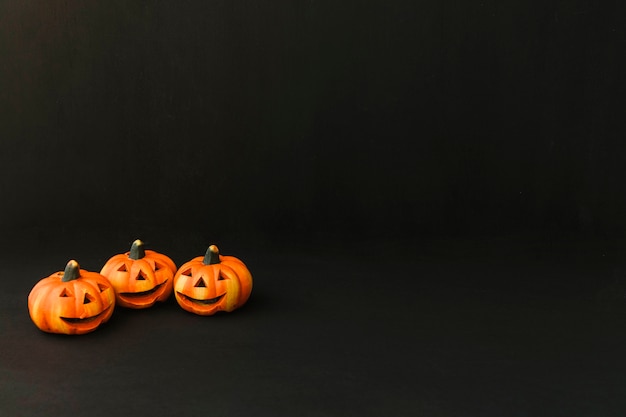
pixel 431 197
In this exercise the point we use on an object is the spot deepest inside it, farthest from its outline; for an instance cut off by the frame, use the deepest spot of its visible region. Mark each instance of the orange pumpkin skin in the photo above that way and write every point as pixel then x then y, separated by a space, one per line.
pixel 140 277
pixel 73 301
pixel 206 285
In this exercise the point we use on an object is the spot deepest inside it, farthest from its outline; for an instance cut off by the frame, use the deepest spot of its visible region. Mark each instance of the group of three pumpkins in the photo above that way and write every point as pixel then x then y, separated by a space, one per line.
pixel 76 301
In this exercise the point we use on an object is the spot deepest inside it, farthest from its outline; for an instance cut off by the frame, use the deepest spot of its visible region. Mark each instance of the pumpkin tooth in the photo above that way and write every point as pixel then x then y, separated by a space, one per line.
pixel 206 301
pixel 142 293
pixel 79 320
pixel 83 319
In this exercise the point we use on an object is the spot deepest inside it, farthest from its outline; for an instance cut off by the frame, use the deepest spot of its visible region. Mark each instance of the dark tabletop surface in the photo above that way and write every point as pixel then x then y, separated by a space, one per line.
pixel 447 327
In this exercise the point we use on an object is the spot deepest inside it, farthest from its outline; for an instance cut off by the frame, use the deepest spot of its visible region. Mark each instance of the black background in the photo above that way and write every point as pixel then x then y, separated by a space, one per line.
pixel 430 196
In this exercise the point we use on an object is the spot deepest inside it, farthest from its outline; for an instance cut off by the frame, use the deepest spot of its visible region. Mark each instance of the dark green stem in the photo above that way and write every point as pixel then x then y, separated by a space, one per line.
pixel 72 271
pixel 212 256
pixel 136 250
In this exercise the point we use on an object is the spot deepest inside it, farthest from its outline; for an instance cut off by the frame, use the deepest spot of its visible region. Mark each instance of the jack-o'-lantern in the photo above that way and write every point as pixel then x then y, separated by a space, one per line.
pixel 140 277
pixel 206 285
pixel 73 301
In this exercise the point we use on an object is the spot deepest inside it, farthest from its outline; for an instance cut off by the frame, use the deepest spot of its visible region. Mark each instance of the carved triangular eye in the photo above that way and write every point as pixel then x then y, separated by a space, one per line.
pixel 186 272
pixel 102 287
pixel 157 266
pixel 88 299
pixel 66 293
pixel 221 277
pixel 122 268
pixel 200 283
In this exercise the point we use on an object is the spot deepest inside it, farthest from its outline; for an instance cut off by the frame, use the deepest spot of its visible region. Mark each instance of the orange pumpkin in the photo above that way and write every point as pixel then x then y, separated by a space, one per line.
pixel 206 285
pixel 140 277
pixel 73 301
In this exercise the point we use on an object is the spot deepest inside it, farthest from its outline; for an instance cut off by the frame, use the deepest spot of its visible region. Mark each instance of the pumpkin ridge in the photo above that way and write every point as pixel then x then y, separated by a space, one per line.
pixel 114 263
pixel 161 258
pixel 48 282
pixel 232 259
pixel 93 285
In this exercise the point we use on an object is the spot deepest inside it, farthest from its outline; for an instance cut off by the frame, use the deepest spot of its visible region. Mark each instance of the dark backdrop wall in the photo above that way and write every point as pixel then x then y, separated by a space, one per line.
pixel 313 119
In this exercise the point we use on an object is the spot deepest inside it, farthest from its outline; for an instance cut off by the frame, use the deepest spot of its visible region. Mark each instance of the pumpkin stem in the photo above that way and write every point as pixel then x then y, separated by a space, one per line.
pixel 72 271
pixel 136 250
pixel 212 256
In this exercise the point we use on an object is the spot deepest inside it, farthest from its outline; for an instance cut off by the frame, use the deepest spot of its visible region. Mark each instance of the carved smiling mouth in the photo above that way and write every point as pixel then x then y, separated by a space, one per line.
pixel 76 320
pixel 143 293
pixel 205 301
